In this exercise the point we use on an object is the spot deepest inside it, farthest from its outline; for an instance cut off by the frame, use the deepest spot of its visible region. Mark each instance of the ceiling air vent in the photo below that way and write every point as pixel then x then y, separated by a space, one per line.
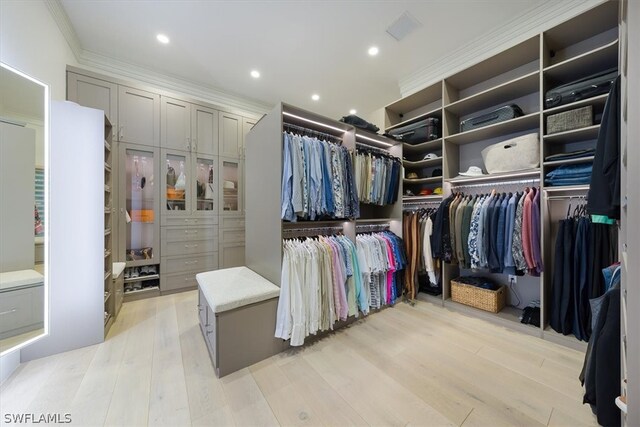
pixel 403 26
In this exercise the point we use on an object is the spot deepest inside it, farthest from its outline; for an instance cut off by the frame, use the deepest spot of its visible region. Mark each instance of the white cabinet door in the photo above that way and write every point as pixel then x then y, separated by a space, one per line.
pixel 247 125
pixel 230 135
pixel 138 116
pixel 176 124
pixel 94 93
pixel 204 130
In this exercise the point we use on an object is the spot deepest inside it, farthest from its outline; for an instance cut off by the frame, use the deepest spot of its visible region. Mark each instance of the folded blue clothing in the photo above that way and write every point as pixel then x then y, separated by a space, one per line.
pixel 571 170
pixel 568 181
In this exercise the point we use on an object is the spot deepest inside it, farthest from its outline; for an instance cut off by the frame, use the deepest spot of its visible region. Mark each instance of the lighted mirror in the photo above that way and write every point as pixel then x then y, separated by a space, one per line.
pixel 23 208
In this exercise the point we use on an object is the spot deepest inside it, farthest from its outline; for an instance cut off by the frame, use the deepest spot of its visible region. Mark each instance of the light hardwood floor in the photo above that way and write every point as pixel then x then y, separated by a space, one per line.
pixel 420 365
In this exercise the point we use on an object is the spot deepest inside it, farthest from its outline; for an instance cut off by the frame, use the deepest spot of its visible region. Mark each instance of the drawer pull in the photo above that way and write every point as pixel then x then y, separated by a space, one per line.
pixel 190 231
pixel 190 220
pixel 190 262
pixel 186 279
pixel 190 246
pixel 13 310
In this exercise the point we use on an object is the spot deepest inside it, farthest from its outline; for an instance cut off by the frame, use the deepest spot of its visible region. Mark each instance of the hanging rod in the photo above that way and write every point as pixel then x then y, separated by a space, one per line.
pixel 311 229
pixel 567 197
pixel 372 227
pixel 495 183
pixel 312 131
pixel 367 147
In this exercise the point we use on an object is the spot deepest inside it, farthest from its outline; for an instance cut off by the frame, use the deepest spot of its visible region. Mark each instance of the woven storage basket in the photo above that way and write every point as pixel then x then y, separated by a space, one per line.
pixel 570 120
pixel 484 299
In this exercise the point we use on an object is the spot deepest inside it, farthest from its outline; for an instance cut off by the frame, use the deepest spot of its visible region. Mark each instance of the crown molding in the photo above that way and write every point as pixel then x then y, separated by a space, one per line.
pixel 125 70
pixel 536 20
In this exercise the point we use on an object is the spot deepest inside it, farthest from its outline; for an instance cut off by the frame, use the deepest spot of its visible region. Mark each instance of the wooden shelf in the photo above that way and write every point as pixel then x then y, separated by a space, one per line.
pixel 422 163
pixel 107 146
pixel 598 59
pixel 596 101
pixel 107 167
pixel 107 296
pixel 424 147
pixel 107 231
pixel 143 290
pixel 107 253
pixel 433 180
pixel 530 121
pixel 416 100
pixel 567 188
pixel 437 112
pixel 583 134
pixel 587 159
pixel 107 210
pixel 107 189
pixel 422 198
pixel 500 94
pixel 107 275
pixel 529 173
pixel 326 223
pixel 142 278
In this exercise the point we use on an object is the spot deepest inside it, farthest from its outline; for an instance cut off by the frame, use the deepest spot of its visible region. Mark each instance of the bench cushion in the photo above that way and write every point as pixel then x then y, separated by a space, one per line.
pixel 236 287
pixel 20 278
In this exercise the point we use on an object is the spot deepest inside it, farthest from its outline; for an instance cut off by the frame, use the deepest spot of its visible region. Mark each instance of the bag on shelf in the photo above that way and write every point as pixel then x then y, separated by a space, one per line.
pixel 590 86
pixel 361 123
pixel 422 131
pixel 520 153
pixel 501 114
pixel 569 120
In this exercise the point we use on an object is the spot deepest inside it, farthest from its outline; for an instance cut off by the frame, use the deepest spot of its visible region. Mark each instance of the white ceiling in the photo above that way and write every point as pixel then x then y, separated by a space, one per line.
pixel 300 47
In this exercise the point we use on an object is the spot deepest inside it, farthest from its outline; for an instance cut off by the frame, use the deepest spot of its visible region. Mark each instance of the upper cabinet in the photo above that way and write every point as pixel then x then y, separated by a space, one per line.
pixel 230 135
pixel 176 124
pixel 247 125
pixel 138 116
pixel 94 93
pixel 204 130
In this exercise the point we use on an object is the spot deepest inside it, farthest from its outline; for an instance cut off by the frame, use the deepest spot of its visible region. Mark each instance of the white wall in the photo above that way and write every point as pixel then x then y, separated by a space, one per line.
pixel 31 42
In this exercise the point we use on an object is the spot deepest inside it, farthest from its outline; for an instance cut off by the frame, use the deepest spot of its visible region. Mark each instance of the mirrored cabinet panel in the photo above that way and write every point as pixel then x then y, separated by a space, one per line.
pixel 231 185
pixel 205 169
pixel 139 234
pixel 177 178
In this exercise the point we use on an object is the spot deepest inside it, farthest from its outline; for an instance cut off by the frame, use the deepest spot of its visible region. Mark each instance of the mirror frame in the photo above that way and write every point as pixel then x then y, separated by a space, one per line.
pixel 47 103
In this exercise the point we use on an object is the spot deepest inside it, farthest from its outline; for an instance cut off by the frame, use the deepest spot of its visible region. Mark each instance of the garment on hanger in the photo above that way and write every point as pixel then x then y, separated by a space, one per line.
pixel 423 270
pixel 317 180
pixel 329 278
pixel 377 177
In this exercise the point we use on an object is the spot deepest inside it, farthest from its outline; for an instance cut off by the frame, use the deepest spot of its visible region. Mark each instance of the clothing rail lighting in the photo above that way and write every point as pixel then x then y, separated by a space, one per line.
pixel 375 140
pixel 314 122
pixel 496 183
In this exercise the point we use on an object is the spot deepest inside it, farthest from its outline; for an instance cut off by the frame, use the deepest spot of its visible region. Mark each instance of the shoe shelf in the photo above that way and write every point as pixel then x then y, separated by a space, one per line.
pixel 143 290
pixel 422 163
pixel 497 177
pixel 432 180
pixel 142 278
pixel 424 147
pixel 500 94
pixel 596 101
pixel 422 198
pixel 598 59
pixel 107 295
pixel 529 121
pixel 583 134
pixel 578 161
pixel 107 275
pixel 567 188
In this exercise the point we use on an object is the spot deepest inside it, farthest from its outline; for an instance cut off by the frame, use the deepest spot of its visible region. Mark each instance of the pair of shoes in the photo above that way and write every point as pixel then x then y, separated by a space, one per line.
pixel 135 272
pixel 144 271
pixel 136 286
pixel 152 269
pixel 128 288
pixel 127 273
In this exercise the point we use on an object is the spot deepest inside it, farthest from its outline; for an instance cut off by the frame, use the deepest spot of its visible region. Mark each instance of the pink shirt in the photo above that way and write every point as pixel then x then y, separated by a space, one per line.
pixel 527 230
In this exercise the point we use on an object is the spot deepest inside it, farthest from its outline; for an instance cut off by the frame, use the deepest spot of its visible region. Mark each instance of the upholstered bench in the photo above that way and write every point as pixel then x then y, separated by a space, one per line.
pixel 237 309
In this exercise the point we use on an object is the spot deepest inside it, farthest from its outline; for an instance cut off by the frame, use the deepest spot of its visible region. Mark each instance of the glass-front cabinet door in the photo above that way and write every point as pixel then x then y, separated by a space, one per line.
pixel 205 185
pixel 139 223
pixel 176 183
pixel 230 186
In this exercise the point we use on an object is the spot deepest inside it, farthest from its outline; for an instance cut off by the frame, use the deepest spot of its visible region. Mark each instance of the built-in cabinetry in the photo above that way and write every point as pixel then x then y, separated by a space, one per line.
pixel 521 75
pixel 109 288
pixel 179 165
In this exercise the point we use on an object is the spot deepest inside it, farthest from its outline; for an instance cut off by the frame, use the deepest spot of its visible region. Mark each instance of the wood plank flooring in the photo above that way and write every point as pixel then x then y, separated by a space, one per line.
pixel 421 365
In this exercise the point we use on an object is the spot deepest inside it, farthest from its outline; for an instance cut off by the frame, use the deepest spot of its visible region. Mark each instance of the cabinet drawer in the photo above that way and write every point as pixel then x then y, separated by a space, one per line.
pixel 232 222
pixel 190 247
pixel 210 335
pixel 206 262
pixel 21 308
pixel 173 282
pixel 188 233
pixel 202 308
pixel 191 221
pixel 231 236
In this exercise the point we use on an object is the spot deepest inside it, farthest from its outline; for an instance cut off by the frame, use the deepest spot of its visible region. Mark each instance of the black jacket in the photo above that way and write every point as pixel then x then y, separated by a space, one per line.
pixel 604 191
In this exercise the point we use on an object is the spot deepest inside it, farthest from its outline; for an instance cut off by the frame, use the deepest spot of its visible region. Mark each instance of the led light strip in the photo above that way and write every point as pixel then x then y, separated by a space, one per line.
pixel 314 122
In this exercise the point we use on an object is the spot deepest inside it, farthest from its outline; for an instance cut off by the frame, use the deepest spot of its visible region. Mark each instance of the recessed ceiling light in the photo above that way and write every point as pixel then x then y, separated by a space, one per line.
pixel 315 97
pixel 373 50
pixel 162 38
pixel 352 111
pixel 255 74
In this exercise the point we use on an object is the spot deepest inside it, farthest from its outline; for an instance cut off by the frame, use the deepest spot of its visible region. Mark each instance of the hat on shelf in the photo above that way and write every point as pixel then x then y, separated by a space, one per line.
pixel 430 156
pixel 438 190
pixel 409 193
pixel 436 172
pixel 426 192
pixel 412 175
pixel 229 185
pixel 472 171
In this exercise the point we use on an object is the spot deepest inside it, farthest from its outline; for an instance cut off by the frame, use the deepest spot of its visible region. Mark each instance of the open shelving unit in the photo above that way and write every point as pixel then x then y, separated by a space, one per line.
pixel 109 303
pixel 522 74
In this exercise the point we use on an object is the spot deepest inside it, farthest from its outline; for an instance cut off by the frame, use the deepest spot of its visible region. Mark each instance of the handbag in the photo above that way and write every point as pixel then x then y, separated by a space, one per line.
pixel 514 154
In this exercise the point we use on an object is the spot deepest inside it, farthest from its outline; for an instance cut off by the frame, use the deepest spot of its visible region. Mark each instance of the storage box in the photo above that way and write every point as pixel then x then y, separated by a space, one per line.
pixel 569 120
pixel 514 154
pixel 142 215
pixel 473 296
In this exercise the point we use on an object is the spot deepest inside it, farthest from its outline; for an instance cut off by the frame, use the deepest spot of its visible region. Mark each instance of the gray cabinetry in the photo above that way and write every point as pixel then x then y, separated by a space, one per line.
pixel 230 135
pixel 247 125
pixel 231 184
pixel 176 124
pixel 94 93
pixel 204 130
pixel 138 116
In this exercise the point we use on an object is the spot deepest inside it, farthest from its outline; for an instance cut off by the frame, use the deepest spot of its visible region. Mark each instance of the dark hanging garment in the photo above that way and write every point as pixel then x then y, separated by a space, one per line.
pixel 566 307
pixel 604 190
pixel 581 281
pixel 557 284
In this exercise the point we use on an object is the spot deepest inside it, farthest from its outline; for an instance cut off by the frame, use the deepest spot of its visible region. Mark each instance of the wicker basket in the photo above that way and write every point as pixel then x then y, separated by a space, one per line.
pixel 484 299
pixel 570 120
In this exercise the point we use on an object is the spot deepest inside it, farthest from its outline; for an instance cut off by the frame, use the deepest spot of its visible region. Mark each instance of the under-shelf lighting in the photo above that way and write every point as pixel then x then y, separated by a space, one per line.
pixel 314 122
pixel 375 140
